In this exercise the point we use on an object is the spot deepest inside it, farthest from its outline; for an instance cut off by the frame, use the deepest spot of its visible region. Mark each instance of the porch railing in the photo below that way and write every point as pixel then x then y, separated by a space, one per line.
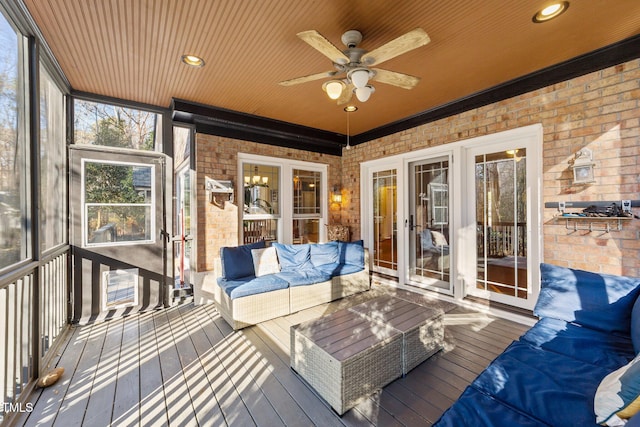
pixel 33 315
pixel 506 239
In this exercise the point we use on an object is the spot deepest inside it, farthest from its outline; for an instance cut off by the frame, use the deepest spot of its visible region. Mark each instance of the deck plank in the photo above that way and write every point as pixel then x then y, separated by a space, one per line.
pixel 46 401
pixel 126 403
pixel 186 366
pixel 102 393
pixel 74 403
pixel 152 400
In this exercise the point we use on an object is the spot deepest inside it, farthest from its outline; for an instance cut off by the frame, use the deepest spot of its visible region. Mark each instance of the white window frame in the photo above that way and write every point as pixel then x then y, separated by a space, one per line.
pixel 285 197
pixel 85 206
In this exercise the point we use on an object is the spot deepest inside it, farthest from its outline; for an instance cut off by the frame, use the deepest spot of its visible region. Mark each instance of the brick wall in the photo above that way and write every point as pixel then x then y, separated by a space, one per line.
pixel 600 111
pixel 217 157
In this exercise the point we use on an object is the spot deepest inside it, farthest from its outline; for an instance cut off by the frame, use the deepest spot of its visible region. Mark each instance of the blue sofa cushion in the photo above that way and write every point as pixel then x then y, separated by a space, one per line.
pixel 555 388
pixel 324 253
pixel 336 269
pixel 251 285
pixel 476 409
pixel 237 262
pixel 294 257
pixel 599 301
pixel 303 277
pixel 609 351
pixel 618 394
pixel 635 326
pixel 351 253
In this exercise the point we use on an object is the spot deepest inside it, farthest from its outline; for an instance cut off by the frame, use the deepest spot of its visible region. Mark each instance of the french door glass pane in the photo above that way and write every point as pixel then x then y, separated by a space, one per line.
pixel 430 222
pixel 501 222
pixel 385 253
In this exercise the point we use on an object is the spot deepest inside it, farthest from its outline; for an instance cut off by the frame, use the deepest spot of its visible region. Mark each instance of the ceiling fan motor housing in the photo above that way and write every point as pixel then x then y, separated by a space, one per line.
pixel 352 38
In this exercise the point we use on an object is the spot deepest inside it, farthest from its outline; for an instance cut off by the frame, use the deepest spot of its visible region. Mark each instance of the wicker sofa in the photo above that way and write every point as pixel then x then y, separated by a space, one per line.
pixel 253 283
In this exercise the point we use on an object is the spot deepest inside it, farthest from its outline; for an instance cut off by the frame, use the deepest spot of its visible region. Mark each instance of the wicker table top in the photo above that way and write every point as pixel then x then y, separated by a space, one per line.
pixel 400 314
pixel 345 333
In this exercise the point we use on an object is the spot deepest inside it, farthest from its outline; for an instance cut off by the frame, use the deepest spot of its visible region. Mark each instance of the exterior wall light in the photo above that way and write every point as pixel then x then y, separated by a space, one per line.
pixel 583 167
pixel 336 195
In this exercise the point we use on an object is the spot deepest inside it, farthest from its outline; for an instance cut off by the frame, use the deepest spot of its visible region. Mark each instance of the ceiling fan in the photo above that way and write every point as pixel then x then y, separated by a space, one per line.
pixel 353 65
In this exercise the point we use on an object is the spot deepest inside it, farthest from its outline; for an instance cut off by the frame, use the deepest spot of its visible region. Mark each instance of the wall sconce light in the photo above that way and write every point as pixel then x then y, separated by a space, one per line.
pixel 336 195
pixel 215 188
pixel 583 167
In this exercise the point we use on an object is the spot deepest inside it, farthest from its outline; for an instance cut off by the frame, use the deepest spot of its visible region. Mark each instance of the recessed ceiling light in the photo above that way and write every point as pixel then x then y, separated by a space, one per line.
pixel 550 11
pixel 193 60
pixel 350 108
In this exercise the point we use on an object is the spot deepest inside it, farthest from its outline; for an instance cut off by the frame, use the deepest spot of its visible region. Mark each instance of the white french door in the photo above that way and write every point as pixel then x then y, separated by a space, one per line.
pixel 503 193
pixel 384 213
pixel 462 219
pixel 429 224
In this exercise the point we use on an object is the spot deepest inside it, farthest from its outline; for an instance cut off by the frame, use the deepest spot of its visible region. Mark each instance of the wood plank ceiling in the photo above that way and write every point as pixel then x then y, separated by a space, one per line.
pixel 131 49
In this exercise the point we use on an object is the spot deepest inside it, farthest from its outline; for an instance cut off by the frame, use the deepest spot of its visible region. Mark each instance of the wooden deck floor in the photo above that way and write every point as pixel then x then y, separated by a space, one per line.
pixel 185 366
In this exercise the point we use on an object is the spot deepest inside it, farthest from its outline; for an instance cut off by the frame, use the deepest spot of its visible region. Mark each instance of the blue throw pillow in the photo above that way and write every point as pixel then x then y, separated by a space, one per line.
pixel 618 395
pixel 237 262
pixel 324 253
pixel 293 257
pixel 352 253
pixel 599 301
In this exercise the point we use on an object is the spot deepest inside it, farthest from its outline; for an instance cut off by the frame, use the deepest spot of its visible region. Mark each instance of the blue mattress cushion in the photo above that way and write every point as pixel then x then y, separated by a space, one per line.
pixel 635 326
pixel 237 262
pixel 324 253
pixel 294 257
pixel 303 277
pixel 476 409
pixel 598 301
pixel 336 269
pixel 588 345
pixel 556 389
pixel 251 285
pixel 351 253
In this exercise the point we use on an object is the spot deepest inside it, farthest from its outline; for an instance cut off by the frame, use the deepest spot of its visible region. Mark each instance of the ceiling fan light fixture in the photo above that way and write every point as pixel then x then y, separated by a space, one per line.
pixel 550 11
pixel 363 93
pixel 333 88
pixel 359 77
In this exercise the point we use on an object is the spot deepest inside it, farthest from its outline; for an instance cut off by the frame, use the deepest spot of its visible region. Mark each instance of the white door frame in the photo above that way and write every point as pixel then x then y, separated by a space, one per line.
pixel 529 137
pixel 462 223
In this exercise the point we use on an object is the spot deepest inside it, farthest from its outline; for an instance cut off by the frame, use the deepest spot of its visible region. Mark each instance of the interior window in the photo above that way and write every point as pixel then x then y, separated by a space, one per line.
pixel 261 202
pixel 118 203
pixel 307 208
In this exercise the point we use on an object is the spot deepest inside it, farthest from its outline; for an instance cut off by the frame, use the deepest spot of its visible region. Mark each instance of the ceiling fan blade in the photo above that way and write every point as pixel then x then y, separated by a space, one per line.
pixel 405 43
pixel 346 95
pixel 308 78
pixel 324 46
pixel 404 81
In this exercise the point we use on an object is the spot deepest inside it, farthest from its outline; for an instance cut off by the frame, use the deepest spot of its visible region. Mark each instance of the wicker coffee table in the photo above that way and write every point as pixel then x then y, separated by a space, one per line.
pixel 351 353
pixel 421 327
pixel 345 356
